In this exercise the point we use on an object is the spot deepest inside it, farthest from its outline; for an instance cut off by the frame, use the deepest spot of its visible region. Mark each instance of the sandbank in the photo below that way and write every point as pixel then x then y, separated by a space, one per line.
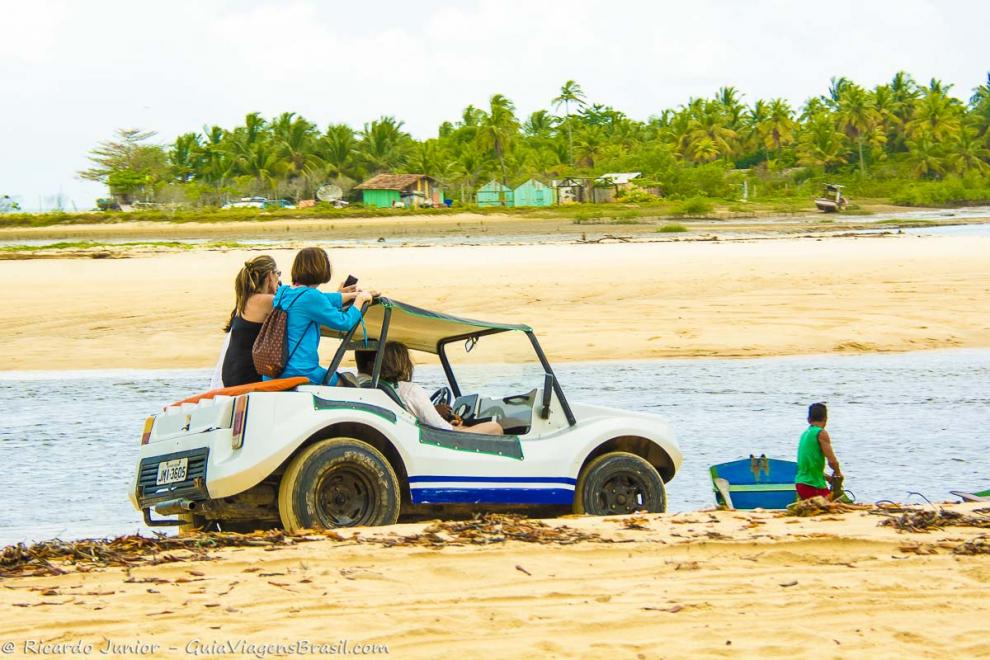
pixel 587 302
pixel 681 585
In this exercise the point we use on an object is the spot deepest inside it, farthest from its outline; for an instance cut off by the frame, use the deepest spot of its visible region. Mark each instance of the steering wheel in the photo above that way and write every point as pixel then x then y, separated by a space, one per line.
pixel 442 396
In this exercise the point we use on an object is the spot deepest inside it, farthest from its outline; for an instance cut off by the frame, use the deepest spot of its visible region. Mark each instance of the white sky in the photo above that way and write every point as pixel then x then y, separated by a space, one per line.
pixel 71 72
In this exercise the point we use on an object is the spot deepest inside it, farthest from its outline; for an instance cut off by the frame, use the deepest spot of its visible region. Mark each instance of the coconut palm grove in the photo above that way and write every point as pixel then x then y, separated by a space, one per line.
pixel 911 142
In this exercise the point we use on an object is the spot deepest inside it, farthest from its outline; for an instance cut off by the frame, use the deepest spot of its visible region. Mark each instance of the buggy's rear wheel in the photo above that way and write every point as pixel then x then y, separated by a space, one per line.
pixel 617 483
pixel 341 482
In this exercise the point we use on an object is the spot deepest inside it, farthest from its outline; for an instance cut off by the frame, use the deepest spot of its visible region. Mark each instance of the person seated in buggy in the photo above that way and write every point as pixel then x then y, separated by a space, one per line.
pixel 397 370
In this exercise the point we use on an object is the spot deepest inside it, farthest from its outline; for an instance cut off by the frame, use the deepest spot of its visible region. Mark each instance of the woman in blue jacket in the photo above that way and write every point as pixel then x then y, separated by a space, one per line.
pixel 307 308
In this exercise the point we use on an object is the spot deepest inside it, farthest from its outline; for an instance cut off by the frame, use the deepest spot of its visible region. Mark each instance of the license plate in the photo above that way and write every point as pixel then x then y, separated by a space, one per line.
pixel 170 472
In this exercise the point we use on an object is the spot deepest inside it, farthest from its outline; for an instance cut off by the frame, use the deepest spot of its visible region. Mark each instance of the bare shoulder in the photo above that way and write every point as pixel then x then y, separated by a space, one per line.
pixel 823 435
pixel 258 307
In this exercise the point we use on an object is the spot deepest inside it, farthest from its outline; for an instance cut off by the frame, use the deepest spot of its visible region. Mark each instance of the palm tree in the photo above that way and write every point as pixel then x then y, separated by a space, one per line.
pixel 935 116
pixel 730 98
pixel 707 124
pixel 755 125
pixel 925 157
pixel 778 128
pixel 904 93
pixel 857 117
pixel 836 86
pixel 498 128
pixel 261 162
pixel 471 167
pixel 186 157
pixel 968 153
pixel 590 143
pixel 570 92
pixel 295 140
pixel 384 145
pixel 540 124
pixel 336 149
pixel 218 163
pixel 819 145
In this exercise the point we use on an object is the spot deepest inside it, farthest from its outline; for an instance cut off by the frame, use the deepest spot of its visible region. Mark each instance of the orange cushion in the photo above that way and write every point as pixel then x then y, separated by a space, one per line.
pixel 276 385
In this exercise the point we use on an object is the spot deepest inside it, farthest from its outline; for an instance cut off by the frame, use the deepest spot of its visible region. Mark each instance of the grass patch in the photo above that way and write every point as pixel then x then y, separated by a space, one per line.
pixel 856 209
pixel 908 223
pixel 91 245
pixel 695 207
pixel 672 228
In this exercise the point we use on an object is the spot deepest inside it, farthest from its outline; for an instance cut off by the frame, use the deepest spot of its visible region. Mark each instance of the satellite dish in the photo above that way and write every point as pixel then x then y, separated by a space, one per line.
pixel 329 192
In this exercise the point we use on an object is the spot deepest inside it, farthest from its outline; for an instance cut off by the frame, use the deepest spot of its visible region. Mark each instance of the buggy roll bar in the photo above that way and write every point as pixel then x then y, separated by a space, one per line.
pixel 348 337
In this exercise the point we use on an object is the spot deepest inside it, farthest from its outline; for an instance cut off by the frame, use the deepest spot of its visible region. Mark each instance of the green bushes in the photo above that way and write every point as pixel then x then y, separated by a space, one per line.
pixel 671 228
pixel 695 207
pixel 953 191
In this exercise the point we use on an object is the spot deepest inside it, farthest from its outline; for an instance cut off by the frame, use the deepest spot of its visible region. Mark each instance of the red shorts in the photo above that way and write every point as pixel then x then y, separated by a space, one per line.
pixel 805 491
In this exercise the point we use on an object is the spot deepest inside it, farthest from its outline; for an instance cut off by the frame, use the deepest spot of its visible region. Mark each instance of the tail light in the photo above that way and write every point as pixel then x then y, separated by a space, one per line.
pixel 239 421
pixel 146 435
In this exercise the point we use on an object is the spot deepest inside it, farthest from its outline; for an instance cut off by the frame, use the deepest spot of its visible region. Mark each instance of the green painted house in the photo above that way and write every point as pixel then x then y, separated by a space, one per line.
pixel 494 193
pixel 385 191
pixel 534 193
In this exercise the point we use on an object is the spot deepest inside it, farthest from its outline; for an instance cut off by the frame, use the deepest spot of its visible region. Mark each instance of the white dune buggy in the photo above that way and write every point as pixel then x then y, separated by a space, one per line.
pixel 316 456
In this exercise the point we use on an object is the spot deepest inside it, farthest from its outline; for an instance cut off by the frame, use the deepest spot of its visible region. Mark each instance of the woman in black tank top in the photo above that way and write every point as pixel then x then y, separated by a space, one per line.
pixel 254 289
pixel 238 364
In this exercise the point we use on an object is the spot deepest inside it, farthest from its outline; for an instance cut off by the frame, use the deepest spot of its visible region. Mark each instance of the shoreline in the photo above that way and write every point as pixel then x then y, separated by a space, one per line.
pixel 95 372
pixel 595 220
pixel 596 301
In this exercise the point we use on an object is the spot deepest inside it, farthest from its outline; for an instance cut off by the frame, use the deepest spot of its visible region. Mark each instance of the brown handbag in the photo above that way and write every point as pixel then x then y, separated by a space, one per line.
pixel 270 352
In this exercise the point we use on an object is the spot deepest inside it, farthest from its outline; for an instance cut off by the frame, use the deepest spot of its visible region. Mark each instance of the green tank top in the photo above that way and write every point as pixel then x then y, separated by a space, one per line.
pixel 810 459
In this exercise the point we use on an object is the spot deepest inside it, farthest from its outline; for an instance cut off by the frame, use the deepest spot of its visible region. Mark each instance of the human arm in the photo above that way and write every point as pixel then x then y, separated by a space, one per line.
pixel 825 442
pixel 325 309
pixel 417 401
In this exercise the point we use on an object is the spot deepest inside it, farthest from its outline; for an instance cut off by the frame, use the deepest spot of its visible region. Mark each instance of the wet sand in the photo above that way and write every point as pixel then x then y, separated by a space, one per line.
pixel 586 302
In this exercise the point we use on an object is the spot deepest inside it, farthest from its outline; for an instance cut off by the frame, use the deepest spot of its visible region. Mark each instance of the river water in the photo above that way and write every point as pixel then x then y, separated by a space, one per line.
pixel 900 423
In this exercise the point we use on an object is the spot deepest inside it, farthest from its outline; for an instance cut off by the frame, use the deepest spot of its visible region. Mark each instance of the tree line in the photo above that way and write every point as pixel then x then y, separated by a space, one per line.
pixel 898 131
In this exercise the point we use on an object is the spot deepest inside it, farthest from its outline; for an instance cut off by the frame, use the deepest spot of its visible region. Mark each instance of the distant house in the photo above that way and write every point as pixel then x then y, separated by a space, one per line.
pixel 574 189
pixel 410 190
pixel 494 193
pixel 533 193
pixel 607 186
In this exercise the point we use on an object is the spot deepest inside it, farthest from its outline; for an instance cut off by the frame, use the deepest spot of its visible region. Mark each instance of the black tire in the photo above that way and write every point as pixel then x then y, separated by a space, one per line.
pixel 618 483
pixel 341 482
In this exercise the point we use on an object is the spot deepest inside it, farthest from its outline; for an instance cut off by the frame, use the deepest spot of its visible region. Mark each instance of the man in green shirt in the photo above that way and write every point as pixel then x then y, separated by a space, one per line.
pixel 813 449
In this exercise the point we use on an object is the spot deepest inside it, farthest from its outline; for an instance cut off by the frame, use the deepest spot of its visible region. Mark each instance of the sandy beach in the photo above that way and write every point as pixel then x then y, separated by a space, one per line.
pixel 712 583
pixel 587 302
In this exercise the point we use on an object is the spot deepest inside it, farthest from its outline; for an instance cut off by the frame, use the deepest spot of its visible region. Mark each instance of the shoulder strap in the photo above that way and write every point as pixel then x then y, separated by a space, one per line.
pixel 281 299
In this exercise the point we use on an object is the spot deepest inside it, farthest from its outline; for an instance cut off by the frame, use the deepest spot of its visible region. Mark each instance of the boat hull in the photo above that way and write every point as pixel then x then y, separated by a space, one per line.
pixel 757 482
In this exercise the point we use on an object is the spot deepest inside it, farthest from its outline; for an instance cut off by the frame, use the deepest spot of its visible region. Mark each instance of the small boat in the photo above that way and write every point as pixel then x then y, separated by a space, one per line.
pixel 754 482
pixel 832 200
pixel 982 496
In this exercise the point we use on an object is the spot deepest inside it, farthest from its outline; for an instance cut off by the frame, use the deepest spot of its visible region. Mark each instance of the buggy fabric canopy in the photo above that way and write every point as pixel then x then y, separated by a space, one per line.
pixel 420 329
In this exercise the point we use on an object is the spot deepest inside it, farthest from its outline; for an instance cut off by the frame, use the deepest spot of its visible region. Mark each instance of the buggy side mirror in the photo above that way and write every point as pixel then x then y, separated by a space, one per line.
pixel 548 382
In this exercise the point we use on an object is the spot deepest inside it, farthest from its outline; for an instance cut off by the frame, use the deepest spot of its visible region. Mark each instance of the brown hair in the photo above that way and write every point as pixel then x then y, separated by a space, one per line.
pixel 311 267
pixel 396 363
pixel 249 281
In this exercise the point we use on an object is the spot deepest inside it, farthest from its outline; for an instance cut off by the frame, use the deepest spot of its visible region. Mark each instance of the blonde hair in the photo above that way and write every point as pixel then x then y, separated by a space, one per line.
pixel 396 363
pixel 250 280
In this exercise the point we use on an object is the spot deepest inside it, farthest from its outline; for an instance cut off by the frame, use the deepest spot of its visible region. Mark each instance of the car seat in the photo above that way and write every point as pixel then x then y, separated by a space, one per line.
pixel 388 389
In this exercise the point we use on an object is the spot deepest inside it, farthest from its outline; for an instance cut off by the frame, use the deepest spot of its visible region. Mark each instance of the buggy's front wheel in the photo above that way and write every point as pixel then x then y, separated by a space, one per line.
pixel 618 483
pixel 341 482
